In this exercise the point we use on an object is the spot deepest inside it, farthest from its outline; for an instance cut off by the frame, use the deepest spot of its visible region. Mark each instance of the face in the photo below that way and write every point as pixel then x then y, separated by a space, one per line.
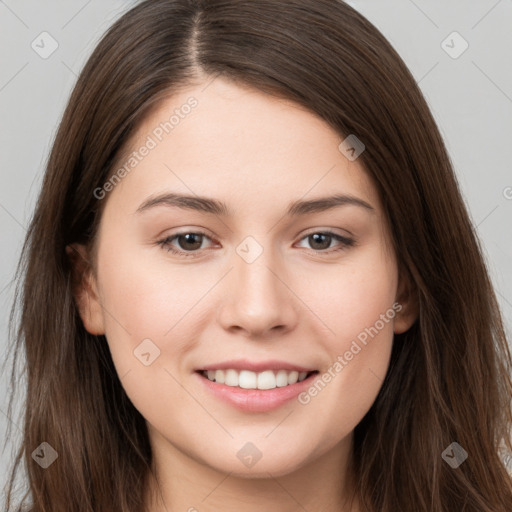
pixel 261 283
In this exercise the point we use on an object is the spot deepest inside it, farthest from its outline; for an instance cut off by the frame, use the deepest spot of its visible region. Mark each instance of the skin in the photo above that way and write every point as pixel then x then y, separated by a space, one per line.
pixel 298 301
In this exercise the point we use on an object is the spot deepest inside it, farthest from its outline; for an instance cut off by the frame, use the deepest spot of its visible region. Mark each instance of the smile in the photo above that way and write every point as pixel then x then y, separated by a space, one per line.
pixel 246 379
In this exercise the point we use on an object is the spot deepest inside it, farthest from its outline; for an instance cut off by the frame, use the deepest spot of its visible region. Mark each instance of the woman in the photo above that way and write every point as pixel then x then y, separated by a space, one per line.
pixel 257 369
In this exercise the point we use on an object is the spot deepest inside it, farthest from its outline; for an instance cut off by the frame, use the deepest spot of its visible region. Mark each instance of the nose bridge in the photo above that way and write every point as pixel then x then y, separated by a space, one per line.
pixel 257 299
pixel 258 287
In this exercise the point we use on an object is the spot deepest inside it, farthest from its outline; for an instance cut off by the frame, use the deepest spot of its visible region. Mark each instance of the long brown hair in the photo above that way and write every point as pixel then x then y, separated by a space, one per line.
pixel 449 375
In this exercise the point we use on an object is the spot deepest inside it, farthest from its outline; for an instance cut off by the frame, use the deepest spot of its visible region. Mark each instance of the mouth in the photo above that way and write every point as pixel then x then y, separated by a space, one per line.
pixel 260 391
pixel 264 380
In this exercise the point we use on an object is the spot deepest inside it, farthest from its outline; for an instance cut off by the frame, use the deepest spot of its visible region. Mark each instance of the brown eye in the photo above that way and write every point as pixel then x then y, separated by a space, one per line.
pixel 187 244
pixel 319 241
pixel 189 241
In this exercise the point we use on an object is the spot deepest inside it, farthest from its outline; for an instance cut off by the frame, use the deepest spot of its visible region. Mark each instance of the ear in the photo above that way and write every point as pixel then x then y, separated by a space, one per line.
pixel 85 289
pixel 407 299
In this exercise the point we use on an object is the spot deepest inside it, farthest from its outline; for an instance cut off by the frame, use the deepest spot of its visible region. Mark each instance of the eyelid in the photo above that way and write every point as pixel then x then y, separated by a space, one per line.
pixel 330 231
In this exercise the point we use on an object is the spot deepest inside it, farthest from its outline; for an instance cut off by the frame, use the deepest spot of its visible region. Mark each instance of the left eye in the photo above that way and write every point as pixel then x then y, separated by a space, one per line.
pixel 190 242
pixel 321 236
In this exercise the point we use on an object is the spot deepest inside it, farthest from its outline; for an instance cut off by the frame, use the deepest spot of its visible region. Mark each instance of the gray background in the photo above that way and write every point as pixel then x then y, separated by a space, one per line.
pixel 470 97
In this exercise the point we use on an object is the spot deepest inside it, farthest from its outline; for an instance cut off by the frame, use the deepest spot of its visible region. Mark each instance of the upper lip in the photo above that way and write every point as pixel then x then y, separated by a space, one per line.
pixel 244 364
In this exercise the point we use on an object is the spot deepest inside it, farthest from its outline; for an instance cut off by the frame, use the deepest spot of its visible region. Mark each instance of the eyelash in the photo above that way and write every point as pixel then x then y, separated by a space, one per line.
pixel 166 243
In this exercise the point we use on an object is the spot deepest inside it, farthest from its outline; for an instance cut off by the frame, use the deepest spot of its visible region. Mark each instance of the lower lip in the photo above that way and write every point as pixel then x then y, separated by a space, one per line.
pixel 256 400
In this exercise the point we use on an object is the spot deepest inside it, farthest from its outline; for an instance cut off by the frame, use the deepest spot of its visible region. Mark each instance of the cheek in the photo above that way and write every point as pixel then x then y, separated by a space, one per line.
pixel 148 298
pixel 356 304
pixel 146 310
pixel 160 302
pixel 352 296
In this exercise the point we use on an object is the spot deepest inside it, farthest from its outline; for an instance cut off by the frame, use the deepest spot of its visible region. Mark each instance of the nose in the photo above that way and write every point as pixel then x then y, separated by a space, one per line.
pixel 257 300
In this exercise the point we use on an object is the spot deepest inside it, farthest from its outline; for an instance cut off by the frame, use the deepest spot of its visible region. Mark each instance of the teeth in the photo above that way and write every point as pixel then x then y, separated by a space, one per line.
pixel 251 380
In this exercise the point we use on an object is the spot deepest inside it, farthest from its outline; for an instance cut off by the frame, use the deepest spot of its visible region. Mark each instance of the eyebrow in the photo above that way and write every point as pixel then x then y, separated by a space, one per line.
pixel 215 207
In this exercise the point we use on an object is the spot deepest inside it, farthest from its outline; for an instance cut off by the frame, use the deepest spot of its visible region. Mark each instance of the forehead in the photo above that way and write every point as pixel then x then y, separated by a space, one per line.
pixel 238 144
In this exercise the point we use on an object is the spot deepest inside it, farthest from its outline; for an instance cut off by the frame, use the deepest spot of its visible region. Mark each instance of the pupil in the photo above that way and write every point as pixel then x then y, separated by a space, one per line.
pixel 189 238
pixel 316 236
